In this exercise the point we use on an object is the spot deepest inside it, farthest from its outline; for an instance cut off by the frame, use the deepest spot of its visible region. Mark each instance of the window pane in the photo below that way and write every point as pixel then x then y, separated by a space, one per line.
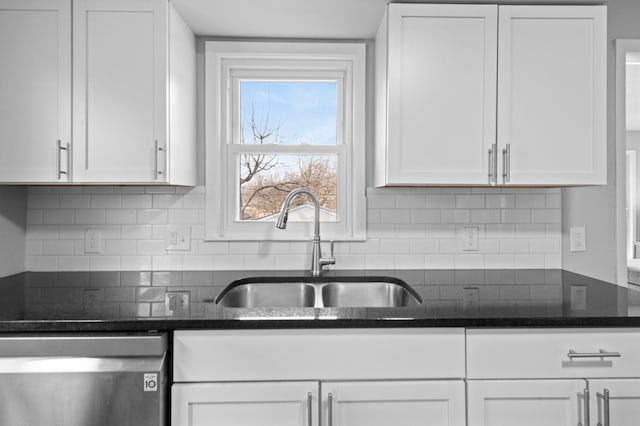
pixel 288 112
pixel 265 181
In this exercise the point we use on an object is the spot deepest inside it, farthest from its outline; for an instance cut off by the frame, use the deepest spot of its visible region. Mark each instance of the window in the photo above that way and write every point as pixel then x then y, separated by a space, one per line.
pixel 280 116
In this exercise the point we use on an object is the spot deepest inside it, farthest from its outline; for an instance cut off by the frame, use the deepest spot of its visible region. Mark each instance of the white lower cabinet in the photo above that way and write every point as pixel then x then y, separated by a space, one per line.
pixel 243 404
pixel 526 402
pixel 368 377
pixel 407 377
pixel 585 377
pixel 614 402
pixel 417 403
pixel 367 403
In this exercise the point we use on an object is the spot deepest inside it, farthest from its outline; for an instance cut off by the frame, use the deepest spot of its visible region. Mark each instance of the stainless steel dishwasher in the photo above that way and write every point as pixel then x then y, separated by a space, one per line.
pixel 83 380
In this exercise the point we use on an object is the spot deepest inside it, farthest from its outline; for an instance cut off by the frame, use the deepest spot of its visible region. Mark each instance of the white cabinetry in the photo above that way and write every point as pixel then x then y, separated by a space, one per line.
pixel 552 95
pixel 486 94
pixel 553 377
pixel 133 118
pixel 231 404
pixel 297 377
pixel 126 55
pixel 35 89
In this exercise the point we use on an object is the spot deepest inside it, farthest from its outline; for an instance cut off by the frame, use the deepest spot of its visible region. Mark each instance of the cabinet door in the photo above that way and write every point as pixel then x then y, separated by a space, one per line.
pixel 405 403
pixel 441 101
pixel 35 89
pixel 245 404
pixel 614 402
pixel 525 402
pixel 120 85
pixel 552 94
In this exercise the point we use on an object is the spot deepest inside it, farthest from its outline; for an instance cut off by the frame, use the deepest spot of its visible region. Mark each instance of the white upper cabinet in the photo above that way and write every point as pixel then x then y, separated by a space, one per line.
pixel 486 95
pixel 133 115
pixel 123 104
pixel 35 89
pixel 436 88
pixel 552 95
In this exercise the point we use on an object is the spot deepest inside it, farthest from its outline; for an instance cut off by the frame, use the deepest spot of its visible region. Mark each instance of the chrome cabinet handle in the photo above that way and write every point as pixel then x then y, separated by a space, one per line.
pixel 586 408
pixel 605 398
pixel 493 159
pixel 309 409
pixel 490 165
pixel 157 150
pixel 602 354
pixel 506 164
pixel 59 150
pixel 330 410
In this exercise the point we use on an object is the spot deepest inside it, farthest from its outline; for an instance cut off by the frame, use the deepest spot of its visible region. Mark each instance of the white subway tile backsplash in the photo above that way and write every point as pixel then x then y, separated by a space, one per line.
pixel 425 215
pixel 441 201
pixel 470 201
pixel 407 228
pixel 75 201
pixel 90 217
pixel 545 216
pixel 395 216
pixel 411 201
pixel 58 217
pixel 121 217
pixel 106 201
pixel 137 201
pixel 455 216
pixel 516 215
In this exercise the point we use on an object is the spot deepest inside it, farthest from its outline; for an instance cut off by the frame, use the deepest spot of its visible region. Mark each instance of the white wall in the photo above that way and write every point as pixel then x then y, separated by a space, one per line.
pixel 13 202
pixel 594 208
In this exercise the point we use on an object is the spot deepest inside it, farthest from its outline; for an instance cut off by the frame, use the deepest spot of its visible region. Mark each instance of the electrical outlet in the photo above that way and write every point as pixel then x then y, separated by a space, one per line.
pixel 470 238
pixel 179 237
pixel 577 239
pixel 578 297
pixel 470 299
pixel 92 241
pixel 176 303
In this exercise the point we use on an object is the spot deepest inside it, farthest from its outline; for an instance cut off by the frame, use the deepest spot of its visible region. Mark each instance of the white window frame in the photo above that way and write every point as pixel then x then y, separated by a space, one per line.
pixel 226 63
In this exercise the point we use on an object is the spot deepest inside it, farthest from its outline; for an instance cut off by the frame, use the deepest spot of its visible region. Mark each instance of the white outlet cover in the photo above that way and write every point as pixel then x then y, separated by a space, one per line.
pixel 577 239
pixel 179 237
pixel 92 241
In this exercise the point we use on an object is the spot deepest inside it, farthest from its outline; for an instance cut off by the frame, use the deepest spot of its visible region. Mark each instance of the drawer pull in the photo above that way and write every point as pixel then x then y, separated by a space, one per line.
pixel 330 410
pixel 310 409
pixel 602 354
pixel 587 420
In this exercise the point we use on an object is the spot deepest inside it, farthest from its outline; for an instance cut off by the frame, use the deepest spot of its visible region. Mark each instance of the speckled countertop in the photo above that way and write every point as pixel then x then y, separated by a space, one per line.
pixel 135 301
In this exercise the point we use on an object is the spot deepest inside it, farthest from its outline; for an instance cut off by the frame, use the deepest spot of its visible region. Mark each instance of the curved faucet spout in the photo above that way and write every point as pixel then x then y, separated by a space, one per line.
pixel 317 261
pixel 284 210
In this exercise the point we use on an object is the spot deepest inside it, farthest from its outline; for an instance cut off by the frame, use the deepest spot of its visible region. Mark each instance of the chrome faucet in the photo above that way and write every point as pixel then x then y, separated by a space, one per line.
pixel 317 261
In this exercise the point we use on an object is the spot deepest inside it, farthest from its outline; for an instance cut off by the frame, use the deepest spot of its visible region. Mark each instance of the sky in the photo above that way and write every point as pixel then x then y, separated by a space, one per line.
pixel 304 111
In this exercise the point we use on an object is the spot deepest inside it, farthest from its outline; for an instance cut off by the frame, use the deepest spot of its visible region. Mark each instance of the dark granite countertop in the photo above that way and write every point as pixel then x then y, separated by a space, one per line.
pixel 135 301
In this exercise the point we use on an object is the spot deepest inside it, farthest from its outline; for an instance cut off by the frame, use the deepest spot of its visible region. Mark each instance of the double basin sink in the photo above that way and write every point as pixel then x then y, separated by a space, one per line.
pixel 318 292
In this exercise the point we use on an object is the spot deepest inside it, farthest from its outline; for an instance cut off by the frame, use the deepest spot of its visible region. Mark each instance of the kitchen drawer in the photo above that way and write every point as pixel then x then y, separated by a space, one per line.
pixel 253 355
pixel 545 353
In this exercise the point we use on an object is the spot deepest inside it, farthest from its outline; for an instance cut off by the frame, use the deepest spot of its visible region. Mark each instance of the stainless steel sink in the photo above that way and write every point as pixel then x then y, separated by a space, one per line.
pixel 267 295
pixel 318 292
pixel 368 294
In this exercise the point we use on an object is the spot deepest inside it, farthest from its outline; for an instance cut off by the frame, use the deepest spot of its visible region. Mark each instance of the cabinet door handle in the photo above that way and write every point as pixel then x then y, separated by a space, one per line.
pixel 157 150
pixel 506 164
pixel 330 410
pixel 601 354
pixel 490 165
pixel 61 148
pixel 605 398
pixel 309 409
pixel 586 408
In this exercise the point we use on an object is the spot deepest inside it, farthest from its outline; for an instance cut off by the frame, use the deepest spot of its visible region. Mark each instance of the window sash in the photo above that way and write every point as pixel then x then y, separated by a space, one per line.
pixel 227 63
